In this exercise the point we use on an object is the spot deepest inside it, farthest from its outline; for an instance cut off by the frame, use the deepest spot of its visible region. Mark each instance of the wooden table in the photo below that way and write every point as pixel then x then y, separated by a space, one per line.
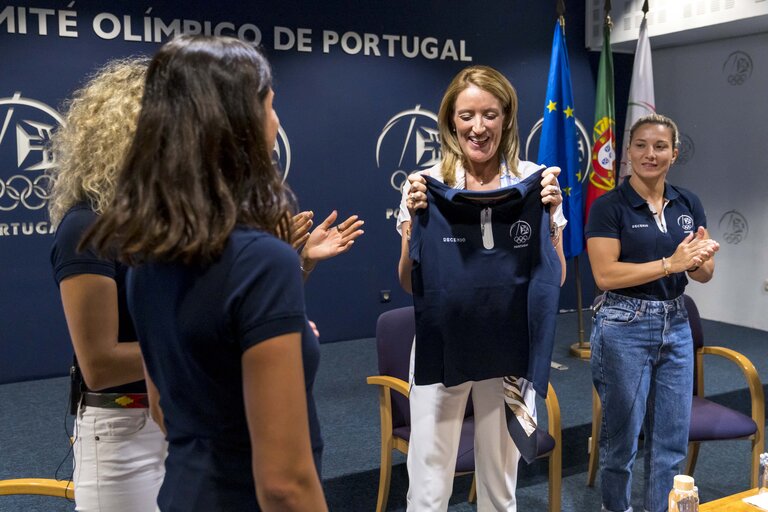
pixel 731 503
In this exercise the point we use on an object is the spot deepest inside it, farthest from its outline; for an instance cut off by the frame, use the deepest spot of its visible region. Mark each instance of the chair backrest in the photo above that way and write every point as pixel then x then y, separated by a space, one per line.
pixel 694 319
pixel 394 336
pixel 395 330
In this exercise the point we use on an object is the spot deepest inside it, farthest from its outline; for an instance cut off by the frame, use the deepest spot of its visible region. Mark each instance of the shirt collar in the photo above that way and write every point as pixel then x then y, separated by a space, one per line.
pixel 461 174
pixel 670 193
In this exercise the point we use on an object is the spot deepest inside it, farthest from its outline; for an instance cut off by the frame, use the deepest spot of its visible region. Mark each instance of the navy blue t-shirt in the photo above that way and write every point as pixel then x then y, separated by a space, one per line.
pixel 194 324
pixel 67 261
pixel 624 215
pixel 486 284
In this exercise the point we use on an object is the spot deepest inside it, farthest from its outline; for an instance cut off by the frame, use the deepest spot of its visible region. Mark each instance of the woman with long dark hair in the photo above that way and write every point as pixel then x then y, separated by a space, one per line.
pixel 216 293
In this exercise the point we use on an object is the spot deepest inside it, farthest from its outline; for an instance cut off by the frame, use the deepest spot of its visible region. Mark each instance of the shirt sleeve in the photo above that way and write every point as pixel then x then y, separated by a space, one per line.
pixel 603 221
pixel 266 297
pixel 66 260
pixel 559 217
pixel 402 214
pixel 699 215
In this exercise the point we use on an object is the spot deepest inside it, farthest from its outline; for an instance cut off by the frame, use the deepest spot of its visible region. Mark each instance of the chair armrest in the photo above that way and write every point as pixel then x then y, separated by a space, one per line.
pixel 38 486
pixel 394 383
pixel 756 393
pixel 744 364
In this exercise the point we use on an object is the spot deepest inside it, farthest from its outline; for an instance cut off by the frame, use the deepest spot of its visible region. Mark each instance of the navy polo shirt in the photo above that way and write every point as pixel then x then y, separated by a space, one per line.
pixel 194 324
pixel 486 285
pixel 67 261
pixel 624 215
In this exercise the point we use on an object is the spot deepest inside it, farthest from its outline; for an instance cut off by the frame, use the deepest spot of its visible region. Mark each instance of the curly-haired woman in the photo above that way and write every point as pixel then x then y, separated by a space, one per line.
pixel 118 449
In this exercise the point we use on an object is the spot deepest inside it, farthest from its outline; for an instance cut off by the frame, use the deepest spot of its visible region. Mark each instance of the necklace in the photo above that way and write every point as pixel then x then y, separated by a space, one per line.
pixel 483 181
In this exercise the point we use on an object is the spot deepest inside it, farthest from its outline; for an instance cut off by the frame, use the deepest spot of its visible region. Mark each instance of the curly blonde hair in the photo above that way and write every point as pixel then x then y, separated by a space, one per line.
pixel 99 123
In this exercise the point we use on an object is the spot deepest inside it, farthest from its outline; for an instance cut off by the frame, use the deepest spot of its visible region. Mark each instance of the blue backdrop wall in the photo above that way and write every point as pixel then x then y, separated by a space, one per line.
pixel 357 88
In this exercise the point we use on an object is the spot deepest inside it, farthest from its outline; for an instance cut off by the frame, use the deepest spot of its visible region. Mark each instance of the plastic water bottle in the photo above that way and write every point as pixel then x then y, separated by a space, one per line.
pixel 762 476
pixel 682 497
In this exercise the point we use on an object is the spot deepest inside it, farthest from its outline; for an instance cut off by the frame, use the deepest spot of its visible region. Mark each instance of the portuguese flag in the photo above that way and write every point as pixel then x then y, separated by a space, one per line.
pixel 602 173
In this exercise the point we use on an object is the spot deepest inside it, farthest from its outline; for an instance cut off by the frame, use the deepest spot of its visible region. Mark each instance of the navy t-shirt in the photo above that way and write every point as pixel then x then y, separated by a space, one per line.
pixel 624 215
pixel 486 284
pixel 194 324
pixel 67 261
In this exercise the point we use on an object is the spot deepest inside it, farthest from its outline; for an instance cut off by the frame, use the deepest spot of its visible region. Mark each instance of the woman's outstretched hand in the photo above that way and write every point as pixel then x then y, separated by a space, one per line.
pixel 327 241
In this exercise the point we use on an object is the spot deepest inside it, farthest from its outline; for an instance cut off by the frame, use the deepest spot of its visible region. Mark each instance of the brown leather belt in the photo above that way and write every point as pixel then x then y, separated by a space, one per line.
pixel 116 400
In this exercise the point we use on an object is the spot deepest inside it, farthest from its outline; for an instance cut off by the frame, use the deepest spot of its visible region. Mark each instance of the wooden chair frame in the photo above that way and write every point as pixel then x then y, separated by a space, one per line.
pixel 389 442
pixel 38 486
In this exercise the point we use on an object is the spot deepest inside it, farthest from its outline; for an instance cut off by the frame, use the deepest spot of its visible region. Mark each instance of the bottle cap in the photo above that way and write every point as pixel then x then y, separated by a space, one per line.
pixel 683 483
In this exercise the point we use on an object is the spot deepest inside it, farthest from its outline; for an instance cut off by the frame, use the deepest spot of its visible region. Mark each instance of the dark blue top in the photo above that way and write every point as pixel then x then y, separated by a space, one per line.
pixel 194 324
pixel 67 261
pixel 486 284
pixel 623 214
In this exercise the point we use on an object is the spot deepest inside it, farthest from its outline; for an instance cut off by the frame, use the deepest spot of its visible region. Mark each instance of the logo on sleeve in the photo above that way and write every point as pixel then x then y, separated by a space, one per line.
pixel 520 232
pixel 685 222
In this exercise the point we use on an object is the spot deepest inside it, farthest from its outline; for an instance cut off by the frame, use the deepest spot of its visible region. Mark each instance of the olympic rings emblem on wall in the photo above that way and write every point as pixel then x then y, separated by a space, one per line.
pixel 19 189
pixel 31 122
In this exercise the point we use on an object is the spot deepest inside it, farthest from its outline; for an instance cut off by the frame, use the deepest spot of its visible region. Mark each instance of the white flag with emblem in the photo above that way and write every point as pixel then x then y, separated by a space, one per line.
pixel 641 97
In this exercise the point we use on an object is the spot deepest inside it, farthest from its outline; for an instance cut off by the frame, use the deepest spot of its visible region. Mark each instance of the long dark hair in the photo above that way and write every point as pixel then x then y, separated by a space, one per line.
pixel 199 162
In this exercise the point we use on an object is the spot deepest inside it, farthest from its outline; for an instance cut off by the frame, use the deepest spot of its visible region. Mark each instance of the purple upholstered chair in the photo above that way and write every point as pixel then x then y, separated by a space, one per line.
pixel 394 336
pixel 713 422
pixel 709 421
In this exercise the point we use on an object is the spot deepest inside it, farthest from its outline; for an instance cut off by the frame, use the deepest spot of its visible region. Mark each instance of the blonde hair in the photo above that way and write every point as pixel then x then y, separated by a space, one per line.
pixel 660 120
pixel 490 80
pixel 89 147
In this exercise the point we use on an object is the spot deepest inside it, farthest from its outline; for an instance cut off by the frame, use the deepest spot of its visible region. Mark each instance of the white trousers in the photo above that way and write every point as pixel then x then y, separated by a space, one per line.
pixel 119 458
pixel 437 413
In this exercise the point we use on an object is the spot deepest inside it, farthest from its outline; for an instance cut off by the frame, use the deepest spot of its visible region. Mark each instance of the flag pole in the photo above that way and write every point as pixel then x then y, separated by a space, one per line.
pixel 582 348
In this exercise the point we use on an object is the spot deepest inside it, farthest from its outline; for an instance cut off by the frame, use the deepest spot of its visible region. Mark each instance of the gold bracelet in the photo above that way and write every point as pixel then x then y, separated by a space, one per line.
pixel 665 265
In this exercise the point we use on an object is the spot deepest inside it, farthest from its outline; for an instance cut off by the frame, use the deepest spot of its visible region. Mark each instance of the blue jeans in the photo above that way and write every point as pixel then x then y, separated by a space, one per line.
pixel 642 368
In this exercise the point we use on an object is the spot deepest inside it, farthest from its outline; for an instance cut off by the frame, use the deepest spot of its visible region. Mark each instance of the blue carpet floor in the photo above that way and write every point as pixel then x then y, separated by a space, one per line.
pixel 34 430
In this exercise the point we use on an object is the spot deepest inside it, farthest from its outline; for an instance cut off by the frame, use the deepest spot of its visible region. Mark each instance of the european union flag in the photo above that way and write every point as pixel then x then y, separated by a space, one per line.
pixel 559 144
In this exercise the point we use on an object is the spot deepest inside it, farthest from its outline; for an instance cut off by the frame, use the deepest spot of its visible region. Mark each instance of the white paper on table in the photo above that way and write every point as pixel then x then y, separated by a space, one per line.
pixel 758 500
